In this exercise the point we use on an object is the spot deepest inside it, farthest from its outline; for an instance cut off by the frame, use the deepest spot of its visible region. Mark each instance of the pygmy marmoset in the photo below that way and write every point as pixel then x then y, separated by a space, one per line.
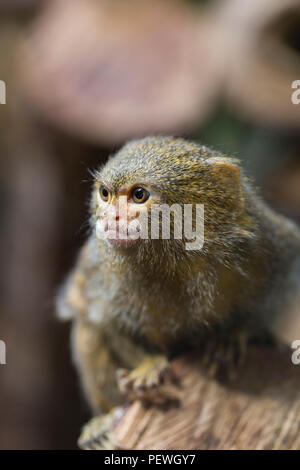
pixel 135 301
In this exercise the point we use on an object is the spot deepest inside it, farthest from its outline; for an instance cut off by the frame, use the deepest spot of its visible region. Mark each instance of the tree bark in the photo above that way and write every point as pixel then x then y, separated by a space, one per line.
pixel 260 409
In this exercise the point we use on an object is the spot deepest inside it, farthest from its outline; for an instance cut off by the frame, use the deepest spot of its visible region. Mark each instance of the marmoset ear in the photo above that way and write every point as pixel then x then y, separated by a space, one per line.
pixel 226 177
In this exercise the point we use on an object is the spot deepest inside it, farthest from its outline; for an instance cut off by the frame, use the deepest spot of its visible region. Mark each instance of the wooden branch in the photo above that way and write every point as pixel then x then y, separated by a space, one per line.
pixel 260 409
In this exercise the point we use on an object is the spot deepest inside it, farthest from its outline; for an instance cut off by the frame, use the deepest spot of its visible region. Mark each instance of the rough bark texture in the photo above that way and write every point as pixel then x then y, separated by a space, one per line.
pixel 259 410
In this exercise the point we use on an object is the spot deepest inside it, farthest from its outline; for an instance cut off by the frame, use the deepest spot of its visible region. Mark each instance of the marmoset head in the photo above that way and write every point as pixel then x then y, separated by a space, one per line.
pixel 157 171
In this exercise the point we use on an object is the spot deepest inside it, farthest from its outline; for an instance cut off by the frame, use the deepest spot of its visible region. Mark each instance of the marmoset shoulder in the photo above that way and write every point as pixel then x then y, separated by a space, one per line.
pixel 136 297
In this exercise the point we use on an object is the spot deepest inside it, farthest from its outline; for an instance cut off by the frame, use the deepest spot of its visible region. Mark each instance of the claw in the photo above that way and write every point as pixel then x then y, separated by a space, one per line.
pixel 147 381
pixel 97 434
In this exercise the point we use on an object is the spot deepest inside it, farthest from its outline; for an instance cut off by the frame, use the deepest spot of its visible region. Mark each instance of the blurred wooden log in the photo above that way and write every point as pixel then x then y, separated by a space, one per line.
pixel 122 69
pixel 259 410
pixel 262 40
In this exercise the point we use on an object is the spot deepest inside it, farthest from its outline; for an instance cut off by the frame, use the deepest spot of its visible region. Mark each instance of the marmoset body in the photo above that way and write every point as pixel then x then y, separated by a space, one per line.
pixel 136 302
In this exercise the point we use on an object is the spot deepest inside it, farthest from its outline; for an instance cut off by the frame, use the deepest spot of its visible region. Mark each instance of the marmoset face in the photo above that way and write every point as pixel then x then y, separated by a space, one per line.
pixel 120 212
pixel 143 173
pixel 164 172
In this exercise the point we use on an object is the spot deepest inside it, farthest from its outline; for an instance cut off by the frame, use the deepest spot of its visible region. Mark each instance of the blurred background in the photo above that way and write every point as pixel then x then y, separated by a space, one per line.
pixel 81 79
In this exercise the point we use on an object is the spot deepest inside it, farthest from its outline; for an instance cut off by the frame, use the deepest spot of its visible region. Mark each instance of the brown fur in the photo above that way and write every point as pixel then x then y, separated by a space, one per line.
pixel 130 303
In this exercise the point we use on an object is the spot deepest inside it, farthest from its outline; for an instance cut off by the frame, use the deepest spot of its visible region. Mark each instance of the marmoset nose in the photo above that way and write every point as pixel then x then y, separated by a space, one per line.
pixel 111 214
pixel 115 214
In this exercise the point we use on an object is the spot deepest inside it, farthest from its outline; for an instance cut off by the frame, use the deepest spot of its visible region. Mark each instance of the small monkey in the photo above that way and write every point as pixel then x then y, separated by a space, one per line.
pixel 135 302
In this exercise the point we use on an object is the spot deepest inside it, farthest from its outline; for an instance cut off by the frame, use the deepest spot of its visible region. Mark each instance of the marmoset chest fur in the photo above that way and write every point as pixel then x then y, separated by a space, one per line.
pixel 138 299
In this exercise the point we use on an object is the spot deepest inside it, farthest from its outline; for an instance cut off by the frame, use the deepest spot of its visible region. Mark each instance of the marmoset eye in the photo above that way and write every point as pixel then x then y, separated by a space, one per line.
pixel 104 193
pixel 140 195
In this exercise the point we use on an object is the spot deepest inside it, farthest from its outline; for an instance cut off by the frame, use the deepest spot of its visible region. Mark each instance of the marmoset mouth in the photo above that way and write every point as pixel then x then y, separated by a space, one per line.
pixel 121 238
pixel 117 233
pixel 121 241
